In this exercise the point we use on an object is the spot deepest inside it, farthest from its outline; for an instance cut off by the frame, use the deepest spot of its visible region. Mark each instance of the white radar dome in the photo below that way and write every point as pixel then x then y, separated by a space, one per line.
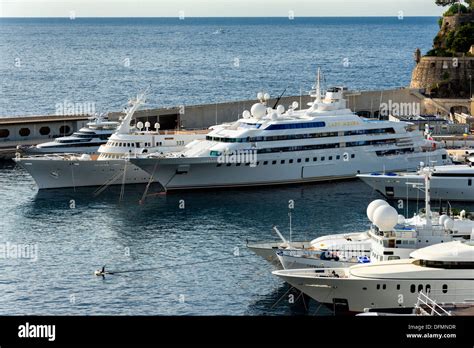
pixel 442 219
pixel 374 205
pixel 449 224
pixel 266 96
pixel 295 105
pixel 157 125
pixel 139 125
pixel 259 95
pixel 147 124
pixel 246 114
pixel 274 116
pixel 258 110
pixel 385 217
pixel 280 109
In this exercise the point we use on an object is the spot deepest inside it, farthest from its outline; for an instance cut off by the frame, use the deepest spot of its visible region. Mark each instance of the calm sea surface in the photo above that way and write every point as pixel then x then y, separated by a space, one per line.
pixel 182 246
pixel 44 62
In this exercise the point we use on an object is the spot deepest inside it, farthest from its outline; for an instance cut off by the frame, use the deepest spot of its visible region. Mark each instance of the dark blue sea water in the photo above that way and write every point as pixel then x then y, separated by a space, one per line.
pixel 190 252
pixel 104 61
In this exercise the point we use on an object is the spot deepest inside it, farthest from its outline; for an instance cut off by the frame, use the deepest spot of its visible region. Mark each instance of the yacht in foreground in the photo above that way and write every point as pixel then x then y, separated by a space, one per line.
pixel 85 140
pixel 111 166
pixel 270 146
pixel 444 271
pixel 451 182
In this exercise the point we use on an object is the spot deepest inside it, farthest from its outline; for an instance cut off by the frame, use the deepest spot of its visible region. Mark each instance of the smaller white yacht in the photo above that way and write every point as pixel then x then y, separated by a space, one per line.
pixel 444 271
pixel 86 140
pixel 450 182
pixel 112 165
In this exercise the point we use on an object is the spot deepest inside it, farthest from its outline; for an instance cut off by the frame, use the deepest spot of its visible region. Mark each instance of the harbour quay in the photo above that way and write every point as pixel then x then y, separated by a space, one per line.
pixel 401 103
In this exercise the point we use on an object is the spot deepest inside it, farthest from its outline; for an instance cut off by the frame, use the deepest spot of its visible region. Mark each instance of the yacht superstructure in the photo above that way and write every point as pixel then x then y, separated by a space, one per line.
pixel 270 146
pixel 85 140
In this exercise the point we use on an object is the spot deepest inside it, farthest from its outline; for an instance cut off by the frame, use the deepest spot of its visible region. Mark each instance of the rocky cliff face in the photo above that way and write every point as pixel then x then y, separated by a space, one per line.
pixel 447 71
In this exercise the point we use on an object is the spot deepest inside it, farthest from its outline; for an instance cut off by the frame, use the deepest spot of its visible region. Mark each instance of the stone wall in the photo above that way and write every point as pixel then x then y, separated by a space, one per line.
pixel 444 77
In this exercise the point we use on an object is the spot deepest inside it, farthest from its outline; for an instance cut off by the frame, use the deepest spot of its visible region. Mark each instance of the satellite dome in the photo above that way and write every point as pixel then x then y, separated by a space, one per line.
pixel 147 124
pixel 258 110
pixel 246 114
pixel 139 125
pixel 385 217
pixel 274 116
pixel 280 109
pixel 442 219
pixel 295 105
pixel 157 126
pixel 449 224
pixel 374 205
pixel 266 96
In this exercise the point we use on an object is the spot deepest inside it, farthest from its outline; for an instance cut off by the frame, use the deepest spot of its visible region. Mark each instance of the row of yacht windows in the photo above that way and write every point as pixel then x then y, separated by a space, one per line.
pixel 325 146
pixel 413 288
pixel 299 136
pixel 290 161
pixel 137 145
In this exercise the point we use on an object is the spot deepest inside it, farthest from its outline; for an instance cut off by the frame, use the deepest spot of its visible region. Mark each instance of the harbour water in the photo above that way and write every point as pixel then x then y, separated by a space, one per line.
pixel 191 253
pixel 181 253
pixel 46 62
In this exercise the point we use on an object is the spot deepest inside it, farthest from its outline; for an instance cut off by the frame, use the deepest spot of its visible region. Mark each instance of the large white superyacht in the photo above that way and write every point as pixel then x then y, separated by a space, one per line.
pixel 111 166
pixel 270 146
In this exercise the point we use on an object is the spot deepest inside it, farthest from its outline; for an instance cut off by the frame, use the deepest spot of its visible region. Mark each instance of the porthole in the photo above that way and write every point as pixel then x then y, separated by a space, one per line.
pixel 64 130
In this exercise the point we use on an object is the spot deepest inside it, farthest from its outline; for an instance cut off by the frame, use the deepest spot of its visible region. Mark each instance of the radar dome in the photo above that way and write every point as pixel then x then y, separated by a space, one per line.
pixel 259 95
pixel 449 224
pixel 139 125
pixel 246 114
pixel 147 124
pixel 280 109
pixel 274 116
pixel 266 96
pixel 374 205
pixel 157 126
pixel 295 105
pixel 385 217
pixel 258 110
pixel 442 219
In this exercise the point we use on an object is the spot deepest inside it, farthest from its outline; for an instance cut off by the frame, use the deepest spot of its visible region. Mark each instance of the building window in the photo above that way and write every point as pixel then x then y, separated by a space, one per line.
pixel 237 164
pixel 412 288
pixel 218 165
pixel 378 286
pixel 353 156
pixel 469 182
pixel 428 288
pixel 445 288
pixel 330 158
pixel 298 160
pixel 420 288
pixel 282 162
pixel 4 133
pixel 44 130
pixel 384 286
pixel 274 162
pixel 323 158
pixel 306 160
pixel 228 164
pixel 315 159
pixel 338 157
pixel 24 132
pixel 265 163
pixel 398 286
pixel 291 161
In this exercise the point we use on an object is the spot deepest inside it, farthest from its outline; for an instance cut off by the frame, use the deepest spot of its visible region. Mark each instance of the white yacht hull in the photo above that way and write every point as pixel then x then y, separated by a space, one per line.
pixel 205 172
pixel 355 295
pixel 50 174
pixel 400 187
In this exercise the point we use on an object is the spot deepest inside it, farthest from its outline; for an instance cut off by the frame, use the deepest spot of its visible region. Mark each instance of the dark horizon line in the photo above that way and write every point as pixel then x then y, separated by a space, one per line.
pixel 223 17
